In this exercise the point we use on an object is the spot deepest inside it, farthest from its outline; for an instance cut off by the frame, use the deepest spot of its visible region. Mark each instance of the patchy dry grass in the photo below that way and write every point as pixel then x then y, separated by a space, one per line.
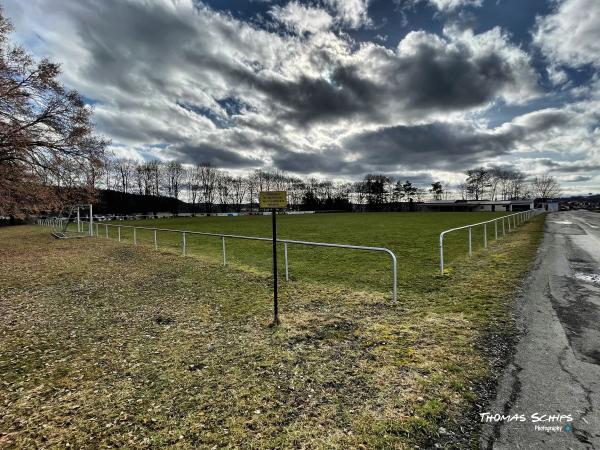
pixel 103 344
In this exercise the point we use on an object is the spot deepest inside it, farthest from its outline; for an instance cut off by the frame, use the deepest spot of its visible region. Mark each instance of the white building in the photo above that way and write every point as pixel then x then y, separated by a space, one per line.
pixel 477 205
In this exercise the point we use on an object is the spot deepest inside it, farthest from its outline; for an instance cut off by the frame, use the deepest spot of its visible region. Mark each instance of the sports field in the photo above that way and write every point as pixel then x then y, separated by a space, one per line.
pixel 104 344
pixel 413 237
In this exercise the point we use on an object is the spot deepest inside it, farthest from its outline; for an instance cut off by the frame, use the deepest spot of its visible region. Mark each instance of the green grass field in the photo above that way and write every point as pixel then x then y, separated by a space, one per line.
pixel 104 344
pixel 413 237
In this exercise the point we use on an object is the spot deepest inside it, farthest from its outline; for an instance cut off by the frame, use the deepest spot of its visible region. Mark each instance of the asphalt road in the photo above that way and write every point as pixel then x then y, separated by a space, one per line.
pixel 556 366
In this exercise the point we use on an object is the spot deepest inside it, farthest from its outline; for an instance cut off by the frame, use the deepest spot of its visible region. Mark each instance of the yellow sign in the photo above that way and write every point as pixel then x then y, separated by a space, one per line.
pixel 273 199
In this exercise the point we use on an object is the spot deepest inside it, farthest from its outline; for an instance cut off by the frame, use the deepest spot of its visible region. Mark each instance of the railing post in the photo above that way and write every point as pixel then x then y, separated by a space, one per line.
pixel 485 235
pixel 285 257
pixel 496 229
pixel 470 242
pixel 224 251
pixel 106 230
pixel 134 236
pixel 155 240
pixel 183 243
pixel 119 232
pixel 97 232
pixel 442 254
pixel 395 275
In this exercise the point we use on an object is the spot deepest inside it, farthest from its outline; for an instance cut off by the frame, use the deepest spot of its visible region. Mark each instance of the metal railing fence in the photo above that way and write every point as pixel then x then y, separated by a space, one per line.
pixel 223 237
pixel 509 222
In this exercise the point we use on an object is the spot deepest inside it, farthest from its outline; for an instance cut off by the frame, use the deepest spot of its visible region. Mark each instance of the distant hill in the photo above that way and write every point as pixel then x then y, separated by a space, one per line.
pixel 578 198
pixel 114 202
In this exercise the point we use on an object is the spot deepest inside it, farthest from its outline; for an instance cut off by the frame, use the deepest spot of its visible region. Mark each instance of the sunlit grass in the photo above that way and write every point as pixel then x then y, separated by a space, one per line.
pixel 413 237
pixel 104 344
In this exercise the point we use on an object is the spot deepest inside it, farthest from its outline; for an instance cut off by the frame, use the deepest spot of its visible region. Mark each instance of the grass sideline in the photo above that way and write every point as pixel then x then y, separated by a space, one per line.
pixel 104 344
pixel 413 237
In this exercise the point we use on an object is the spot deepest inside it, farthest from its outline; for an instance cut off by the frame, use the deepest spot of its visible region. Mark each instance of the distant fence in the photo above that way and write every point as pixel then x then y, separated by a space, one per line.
pixel 508 223
pixel 109 217
pixel 185 233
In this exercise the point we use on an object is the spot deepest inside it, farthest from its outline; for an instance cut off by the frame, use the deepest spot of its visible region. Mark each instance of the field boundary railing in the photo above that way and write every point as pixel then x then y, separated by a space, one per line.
pixel 517 219
pixel 224 237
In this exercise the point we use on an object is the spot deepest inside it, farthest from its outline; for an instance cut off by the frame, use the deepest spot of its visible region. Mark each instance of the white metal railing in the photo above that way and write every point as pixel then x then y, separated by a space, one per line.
pixel 223 237
pixel 516 219
pixel 58 223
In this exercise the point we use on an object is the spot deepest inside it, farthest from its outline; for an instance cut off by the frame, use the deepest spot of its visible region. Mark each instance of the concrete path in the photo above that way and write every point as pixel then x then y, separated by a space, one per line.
pixel 555 374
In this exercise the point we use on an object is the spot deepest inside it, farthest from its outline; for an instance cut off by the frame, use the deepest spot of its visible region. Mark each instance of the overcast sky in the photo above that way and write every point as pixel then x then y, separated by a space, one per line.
pixel 422 89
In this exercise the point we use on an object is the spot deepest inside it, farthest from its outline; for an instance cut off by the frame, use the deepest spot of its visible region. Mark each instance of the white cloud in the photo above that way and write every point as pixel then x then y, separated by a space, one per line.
pixel 300 18
pixel 571 34
pixel 351 13
pixel 556 75
pixel 445 6
pixel 452 5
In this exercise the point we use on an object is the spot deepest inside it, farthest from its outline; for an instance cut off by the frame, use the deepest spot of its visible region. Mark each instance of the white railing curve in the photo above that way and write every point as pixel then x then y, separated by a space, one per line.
pixel 517 219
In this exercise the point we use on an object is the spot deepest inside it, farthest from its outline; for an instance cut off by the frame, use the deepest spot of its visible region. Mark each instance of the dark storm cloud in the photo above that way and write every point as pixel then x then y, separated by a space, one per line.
pixel 434 76
pixel 578 179
pixel 308 100
pixel 541 120
pixel 570 167
pixel 330 161
pixel 448 146
pixel 423 146
pixel 433 79
pixel 189 153
pixel 418 147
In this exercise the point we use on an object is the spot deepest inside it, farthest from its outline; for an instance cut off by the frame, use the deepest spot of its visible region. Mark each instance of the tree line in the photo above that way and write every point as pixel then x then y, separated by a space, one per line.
pixel 210 189
pixel 507 184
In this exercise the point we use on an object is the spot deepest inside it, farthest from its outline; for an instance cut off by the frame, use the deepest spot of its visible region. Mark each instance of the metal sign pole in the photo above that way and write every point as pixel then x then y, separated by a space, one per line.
pixel 273 200
pixel 275 305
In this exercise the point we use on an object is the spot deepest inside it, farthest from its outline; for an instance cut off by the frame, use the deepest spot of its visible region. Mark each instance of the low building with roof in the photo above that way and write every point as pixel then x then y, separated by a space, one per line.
pixel 477 205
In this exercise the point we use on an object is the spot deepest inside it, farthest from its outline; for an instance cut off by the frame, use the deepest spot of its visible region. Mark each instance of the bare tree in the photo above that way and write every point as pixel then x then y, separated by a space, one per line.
pixel 239 187
pixel 436 190
pixel 296 191
pixel 193 186
pixel 174 173
pixel 254 187
pixel 207 178
pixel 139 175
pixel 46 134
pixel 545 186
pixel 223 185
pixel 517 185
pixel 478 180
pixel 397 192
pixel 125 169
pixel 410 190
